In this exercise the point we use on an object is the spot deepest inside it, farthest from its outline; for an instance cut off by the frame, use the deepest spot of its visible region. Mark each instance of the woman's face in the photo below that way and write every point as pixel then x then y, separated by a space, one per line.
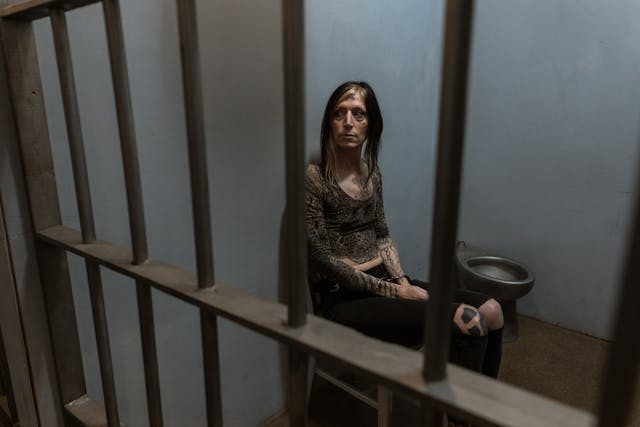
pixel 349 126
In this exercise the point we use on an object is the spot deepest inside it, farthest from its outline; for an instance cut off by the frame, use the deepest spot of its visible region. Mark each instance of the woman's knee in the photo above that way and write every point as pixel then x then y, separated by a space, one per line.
pixel 492 312
pixel 467 320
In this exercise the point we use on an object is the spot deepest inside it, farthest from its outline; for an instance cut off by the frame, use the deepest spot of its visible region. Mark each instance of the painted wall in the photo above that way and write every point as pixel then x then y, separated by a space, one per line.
pixel 395 47
pixel 242 75
pixel 552 148
pixel 551 137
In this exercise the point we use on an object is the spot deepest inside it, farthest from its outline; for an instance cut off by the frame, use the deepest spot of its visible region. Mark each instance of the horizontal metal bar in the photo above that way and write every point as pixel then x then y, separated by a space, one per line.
pixel 35 9
pixel 466 394
pixel 347 388
pixel 84 411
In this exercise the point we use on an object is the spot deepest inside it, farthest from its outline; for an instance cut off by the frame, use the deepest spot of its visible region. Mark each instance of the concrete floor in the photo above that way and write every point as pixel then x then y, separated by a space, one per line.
pixel 546 359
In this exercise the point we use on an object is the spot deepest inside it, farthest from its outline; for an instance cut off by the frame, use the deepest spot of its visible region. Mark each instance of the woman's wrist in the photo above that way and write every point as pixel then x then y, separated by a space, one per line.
pixel 400 279
pixel 387 288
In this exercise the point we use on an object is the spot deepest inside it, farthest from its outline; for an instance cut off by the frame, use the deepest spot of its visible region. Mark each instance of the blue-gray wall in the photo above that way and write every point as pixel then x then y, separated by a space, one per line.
pixel 551 140
pixel 552 148
pixel 395 47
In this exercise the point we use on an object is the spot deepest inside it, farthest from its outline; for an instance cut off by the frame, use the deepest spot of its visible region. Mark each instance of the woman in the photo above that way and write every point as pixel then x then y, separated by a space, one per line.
pixel 354 267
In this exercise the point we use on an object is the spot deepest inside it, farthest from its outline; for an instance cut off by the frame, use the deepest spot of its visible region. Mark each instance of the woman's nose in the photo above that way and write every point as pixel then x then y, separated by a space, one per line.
pixel 348 119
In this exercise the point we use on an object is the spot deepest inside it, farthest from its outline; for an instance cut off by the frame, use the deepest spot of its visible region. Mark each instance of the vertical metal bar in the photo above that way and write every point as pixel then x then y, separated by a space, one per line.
pixel 192 90
pixel 149 354
pixel 294 105
pixel 449 167
pixel 298 370
pixel 621 370
pixel 385 399
pixel 25 86
pixel 72 118
pixel 118 60
pixel 15 359
pixel 455 64
pixel 211 363
pixel 102 341
pixel 7 389
pixel 296 240
pixel 81 180
pixel 117 56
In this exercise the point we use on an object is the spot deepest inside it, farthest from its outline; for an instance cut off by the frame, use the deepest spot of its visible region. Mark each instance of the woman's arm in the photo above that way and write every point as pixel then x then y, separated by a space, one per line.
pixel 391 260
pixel 388 250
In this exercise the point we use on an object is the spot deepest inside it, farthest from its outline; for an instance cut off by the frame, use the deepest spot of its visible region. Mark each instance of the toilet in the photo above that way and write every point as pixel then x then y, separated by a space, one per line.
pixel 501 278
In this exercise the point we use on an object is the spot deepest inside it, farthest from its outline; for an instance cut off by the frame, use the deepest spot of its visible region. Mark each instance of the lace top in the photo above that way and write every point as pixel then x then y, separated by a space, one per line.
pixel 340 226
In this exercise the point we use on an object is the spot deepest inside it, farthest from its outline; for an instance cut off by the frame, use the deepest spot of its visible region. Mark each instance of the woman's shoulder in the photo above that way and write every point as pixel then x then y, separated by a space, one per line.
pixel 313 178
pixel 313 170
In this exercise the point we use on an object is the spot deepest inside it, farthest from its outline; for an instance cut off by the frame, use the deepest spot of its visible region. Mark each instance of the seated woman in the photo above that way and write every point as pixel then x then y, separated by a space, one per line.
pixel 354 266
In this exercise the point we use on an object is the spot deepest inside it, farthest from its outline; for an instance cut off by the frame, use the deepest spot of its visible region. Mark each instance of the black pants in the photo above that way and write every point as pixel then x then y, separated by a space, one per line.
pixel 401 321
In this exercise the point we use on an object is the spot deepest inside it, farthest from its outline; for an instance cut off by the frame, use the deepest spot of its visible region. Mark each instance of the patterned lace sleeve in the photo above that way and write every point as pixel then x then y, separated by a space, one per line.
pixel 388 250
pixel 321 261
pixel 382 231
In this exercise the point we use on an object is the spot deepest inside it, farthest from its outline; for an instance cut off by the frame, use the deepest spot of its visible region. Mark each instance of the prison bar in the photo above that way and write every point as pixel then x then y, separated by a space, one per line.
pixel 621 370
pixel 464 393
pixel 20 391
pixel 72 120
pixel 35 9
pixel 192 91
pixel 294 108
pixel 25 90
pixel 455 60
pixel 453 94
pixel 149 352
pixel 295 275
pixel 118 61
pixel 133 186
pixel 83 197
pixel 102 341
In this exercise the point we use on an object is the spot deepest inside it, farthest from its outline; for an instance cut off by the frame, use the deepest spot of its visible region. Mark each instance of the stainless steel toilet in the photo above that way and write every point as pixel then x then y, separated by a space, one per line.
pixel 501 278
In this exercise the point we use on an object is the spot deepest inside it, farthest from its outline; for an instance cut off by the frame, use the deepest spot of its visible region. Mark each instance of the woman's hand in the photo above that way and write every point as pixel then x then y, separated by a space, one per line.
pixel 407 291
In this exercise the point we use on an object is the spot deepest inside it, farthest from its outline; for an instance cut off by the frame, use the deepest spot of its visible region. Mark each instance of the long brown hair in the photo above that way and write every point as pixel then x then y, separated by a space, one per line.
pixel 374 128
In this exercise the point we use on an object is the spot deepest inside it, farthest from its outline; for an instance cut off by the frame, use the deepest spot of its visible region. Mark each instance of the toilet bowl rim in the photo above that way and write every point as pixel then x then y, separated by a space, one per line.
pixel 530 277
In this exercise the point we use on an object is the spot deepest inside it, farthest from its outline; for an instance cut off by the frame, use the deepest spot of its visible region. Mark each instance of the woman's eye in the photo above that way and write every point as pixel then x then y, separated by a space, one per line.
pixel 338 114
pixel 359 115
